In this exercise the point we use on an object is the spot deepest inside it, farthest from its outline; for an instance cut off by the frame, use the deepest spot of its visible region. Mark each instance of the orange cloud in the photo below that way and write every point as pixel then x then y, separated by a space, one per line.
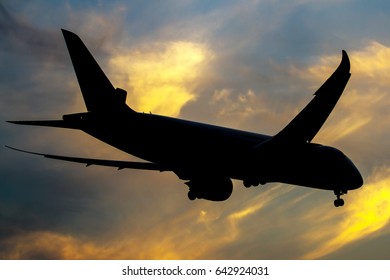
pixel 205 229
pixel 50 245
pixel 197 233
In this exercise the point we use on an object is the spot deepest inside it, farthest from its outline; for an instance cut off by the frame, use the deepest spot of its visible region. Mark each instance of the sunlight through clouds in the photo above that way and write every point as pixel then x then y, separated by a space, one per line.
pixel 162 78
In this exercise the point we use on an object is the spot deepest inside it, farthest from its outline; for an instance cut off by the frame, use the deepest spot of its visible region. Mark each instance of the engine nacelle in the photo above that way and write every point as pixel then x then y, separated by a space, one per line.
pixel 214 189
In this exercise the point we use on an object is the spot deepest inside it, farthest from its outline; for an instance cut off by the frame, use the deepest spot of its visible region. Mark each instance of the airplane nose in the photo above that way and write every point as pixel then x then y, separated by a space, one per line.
pixel 356 178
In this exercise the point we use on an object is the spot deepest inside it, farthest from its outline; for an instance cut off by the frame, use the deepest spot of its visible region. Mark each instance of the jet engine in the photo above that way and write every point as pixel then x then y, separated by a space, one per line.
pixel 214 189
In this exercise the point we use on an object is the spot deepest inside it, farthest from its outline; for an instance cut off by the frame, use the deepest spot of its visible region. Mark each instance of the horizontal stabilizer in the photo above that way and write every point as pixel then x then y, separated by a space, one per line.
pixel 112 163
pixel 49 123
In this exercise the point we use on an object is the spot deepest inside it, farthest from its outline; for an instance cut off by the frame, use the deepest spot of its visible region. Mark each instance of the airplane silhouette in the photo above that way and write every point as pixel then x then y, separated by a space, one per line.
pixel 208 157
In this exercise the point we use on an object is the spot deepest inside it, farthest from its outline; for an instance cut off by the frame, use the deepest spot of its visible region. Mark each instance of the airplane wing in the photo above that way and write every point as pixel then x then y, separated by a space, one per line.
pixel 112 163
pixel 308 122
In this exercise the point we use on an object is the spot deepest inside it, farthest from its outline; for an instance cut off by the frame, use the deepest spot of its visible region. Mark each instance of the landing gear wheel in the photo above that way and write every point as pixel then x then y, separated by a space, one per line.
pixel 191 195
pixel 339 202
pixel 247 183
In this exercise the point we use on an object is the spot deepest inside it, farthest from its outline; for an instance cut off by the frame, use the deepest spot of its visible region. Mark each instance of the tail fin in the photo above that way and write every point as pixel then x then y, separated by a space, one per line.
pixel 98 92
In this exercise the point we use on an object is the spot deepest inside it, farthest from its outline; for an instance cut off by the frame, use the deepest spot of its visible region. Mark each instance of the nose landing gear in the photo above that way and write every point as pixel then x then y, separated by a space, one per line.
pixel 339 201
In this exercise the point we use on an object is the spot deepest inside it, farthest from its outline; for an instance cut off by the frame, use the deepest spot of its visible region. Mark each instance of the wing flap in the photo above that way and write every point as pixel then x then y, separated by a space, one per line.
pixel 111 163
pixel 308 122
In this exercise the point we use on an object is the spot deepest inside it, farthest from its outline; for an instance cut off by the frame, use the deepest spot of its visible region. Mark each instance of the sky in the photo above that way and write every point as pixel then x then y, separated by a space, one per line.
pixel 250 65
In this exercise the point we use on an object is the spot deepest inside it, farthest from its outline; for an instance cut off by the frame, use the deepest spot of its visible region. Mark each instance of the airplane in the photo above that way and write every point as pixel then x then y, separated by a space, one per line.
pixel 208 157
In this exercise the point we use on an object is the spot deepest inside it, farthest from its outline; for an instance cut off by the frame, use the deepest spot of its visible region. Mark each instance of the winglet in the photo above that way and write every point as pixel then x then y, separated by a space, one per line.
pixel 342 69
pixel 346 65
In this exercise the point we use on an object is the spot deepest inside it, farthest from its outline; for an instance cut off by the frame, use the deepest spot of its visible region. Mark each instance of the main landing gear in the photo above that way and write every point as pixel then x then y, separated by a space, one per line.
pixel 339 201
pixel 192 195
pixel 249 183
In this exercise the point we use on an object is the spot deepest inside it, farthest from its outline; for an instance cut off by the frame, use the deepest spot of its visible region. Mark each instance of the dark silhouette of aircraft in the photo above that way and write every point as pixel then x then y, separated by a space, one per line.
pixel 207 157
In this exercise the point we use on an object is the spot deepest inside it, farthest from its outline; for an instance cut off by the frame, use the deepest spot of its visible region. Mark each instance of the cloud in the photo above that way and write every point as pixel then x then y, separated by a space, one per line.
pixel 207 230
pixel 21 37
pixel 246 110
pixel 360 114
pixel 48 245
pixel 198 233
pixel 367 211
pixel 162 78
pixel 362 109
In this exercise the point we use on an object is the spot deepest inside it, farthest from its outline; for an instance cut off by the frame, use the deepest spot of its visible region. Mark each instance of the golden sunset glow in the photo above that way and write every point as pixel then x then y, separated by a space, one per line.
pixel 367 212
pixel 162 79
pixel 370 62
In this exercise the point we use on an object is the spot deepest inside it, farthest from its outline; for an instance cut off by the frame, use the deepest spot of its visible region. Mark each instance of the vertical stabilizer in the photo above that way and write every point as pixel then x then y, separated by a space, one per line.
pixel 98 92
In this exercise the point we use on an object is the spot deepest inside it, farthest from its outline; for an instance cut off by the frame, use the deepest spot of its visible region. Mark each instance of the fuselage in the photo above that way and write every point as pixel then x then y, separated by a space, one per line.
pixel 192 148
